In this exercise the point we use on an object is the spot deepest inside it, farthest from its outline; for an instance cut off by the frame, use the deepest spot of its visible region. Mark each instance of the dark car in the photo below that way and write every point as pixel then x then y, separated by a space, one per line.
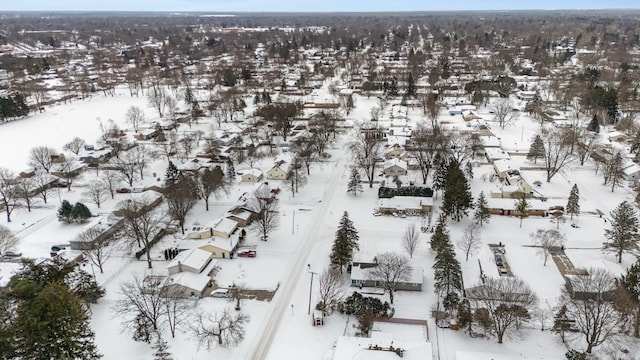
pixel 123 190
pixel 247 253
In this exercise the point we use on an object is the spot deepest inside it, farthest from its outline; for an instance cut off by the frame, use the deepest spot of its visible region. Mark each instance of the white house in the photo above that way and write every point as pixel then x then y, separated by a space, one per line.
pixel 194 261
pixel 252 175
pixel 187 284
pixel 279 171
pixel 632 174
pixel 394 167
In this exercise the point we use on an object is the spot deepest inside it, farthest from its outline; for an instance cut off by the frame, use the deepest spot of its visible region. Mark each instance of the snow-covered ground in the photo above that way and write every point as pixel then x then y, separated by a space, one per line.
pixel 281 328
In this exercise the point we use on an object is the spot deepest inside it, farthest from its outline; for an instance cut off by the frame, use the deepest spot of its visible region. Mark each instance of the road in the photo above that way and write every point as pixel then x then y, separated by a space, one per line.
pixel 297 267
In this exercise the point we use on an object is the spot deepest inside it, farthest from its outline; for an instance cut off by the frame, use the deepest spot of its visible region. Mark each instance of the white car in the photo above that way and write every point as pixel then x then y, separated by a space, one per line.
pixel 220 293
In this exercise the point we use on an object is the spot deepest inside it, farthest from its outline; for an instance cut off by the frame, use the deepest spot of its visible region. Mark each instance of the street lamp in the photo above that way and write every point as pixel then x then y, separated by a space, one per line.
pixel 310 287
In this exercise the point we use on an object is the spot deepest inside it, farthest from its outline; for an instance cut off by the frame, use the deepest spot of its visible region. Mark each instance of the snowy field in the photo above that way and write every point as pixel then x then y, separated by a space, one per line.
pixel 281 328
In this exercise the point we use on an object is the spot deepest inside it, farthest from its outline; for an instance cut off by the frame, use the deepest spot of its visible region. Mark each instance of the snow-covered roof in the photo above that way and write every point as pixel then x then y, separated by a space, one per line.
pixel 254 172
pixel 189 280
pixel 405 202
pixel 359 348
pixel 395 162
pixel 503 165
pixel 415 277
pixel 227 244
pixel 495 154
pixel 194 258
pixel 225 225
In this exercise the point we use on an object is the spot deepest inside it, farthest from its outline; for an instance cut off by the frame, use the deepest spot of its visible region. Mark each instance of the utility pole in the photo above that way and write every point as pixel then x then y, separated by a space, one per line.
pixel 310 287
pixel 293 224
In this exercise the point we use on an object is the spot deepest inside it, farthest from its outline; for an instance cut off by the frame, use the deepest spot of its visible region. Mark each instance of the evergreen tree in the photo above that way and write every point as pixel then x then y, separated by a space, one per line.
pixel 635 143
pixel 573 204
pixel 631 283
pixel 623 235
pixel 231 170
pixel 457 199
pixel 80 212
pixel 53 325
pixel 65 211
pixel 439 172
pixel 594 125
pixel 447 273
pixel 345 242
pixel 615 171
pixel 411 86
pixel 354 186
pixel 536 150
pixel 482 213
pixel 522 207
pixel 172 175
pixel 560 323
pixel 636 157
pixel 161 350
pixel 440 235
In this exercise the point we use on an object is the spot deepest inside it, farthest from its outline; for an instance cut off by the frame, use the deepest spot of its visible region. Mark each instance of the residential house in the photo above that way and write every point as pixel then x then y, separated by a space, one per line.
pixel 410 205
pixel 104 229
pixel 146 134
pixel 219 248
pixel 393 167
pixel 193 260
pixel 252 175
pixel 187 284
pixel 241 214
pixel 361 277
pixel 279 171
pixel 223 227
pixel 632 174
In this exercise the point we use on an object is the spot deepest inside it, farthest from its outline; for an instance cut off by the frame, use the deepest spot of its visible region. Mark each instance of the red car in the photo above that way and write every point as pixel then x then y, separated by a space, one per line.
pixel 247 253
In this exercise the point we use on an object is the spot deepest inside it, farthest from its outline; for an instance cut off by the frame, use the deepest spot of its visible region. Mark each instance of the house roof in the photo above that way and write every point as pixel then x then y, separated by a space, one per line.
pixel 358 348
pixel 227 244
pixel 415 277
pixel 405 202
pixel 254 172
pixel 189 280
pixel 194 258
pixel 395 162
pixel 225 225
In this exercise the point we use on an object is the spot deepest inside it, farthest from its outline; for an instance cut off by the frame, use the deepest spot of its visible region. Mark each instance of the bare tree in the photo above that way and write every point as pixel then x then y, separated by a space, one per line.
pixel 391 269
pixel 25 188
pixel 211 182
pixel 181 196
pixel 143 155
pixel 9 192
pixel 67 169
pixel 42 157
pixel 425 142
pixel 101 251
pixel 590 305
pixel 7 239
pixel 111 179
pixel 503 111
pixel 75 145
pixel 96 193
pixel 157 98
pixel 331 290
pixel 41 181
pixel 557 153
pixel 127 164
pixel 410 240
pixel 547 241
pixel 471 241
pixel 135 117
pixel 507 301
pixel 139 300
pixel 366 148
pixel 222 328
pixel 174 309
pixel 142 223
pixel 296 176
pixel 267 209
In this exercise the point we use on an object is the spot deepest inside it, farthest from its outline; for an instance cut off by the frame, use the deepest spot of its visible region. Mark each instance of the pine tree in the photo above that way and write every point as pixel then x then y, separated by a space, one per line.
pixel 231 170
pixel 346 241
pixel 482 213
pixel 53 325
pixel 440 235
pixel 161 350
pixel 631 283
pixel 573 204
pixel 560 323
pixel 439 172
pixel 623 235
pixel 80 212
pixel 522 208
pixel 536 150
pixel 65 212
pixel 594 124
pixel 457 199
pixel 172 175
pixel 411 87
pixel 635 143
pixel 615 171
pixel 354 186
pixel 447 273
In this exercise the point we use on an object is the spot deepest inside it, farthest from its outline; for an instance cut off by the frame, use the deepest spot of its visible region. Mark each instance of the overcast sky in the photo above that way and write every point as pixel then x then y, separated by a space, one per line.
pixel 306 5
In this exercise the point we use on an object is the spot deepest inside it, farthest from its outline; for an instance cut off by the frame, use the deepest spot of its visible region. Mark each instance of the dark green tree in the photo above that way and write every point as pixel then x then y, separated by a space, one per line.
pixel 635 143
pixel 440 235
pixel 80 212
pixel 161 349
pixel 172 175
pixel 53 325
pixel 365 309
pixel 355 185
pixel 411 86
pixel 447 273
pixel 345 242
pixel 439 172
pixel 631 284
pixel 65 212
pixel 594 124
pixel 536 150
pixel 573 204
pixel 482 213
pixel 457 199
pixel 623 234
pixel 560 322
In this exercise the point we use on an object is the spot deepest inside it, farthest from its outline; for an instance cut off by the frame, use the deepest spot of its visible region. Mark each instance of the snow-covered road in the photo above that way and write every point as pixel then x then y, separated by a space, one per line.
pixel 297 266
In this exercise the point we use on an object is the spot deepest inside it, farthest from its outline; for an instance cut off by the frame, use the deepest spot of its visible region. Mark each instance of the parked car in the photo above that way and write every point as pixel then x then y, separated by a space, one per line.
pixel 376 214
pixel 123 190
pixel 247 253
pixel 220 293
pixel 11 254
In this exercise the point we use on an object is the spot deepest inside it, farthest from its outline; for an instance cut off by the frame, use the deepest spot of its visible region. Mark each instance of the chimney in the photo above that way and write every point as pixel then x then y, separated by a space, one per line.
pixel 179 266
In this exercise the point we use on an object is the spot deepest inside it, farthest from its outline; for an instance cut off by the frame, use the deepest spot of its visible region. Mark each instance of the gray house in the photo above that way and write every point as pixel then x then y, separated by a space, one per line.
pixel 361 277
